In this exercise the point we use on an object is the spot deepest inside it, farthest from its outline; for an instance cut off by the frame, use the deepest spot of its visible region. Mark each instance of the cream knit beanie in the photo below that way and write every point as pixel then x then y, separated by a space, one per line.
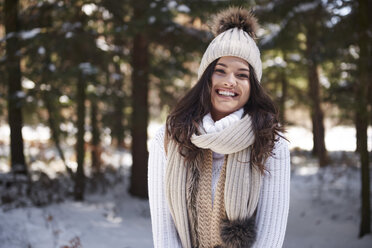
pixel 235 29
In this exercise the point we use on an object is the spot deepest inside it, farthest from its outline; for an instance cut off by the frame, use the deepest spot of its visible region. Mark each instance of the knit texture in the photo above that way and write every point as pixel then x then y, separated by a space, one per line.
pixel 232 139
pixel 239 174
pixel 233 42
pixel 218 210
pixel 176 192
pixel 204 204
pixel 272 211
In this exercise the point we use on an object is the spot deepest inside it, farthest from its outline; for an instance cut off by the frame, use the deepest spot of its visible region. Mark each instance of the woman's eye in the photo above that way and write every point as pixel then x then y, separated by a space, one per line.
pixel 243 76
pixel 219 71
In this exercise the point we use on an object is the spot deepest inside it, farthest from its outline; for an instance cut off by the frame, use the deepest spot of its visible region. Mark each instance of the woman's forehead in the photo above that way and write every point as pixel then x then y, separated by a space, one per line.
pixel 232 61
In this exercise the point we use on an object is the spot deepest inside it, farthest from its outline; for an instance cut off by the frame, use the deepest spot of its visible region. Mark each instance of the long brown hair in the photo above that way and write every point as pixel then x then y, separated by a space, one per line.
pixel 184 119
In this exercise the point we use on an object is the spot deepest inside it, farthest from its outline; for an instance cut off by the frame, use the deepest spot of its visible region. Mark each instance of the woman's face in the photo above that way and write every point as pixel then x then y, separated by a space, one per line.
pixel 230 86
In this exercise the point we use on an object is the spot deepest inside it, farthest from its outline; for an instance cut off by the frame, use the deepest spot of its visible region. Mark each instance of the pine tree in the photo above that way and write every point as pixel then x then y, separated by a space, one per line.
pixel 301 27
pixel 364 79
pixel 15 93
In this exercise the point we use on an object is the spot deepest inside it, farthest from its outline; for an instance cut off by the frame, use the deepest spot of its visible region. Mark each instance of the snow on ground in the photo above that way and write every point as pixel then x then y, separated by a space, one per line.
pixel 324 209
pixel 110 220
pixel 324 212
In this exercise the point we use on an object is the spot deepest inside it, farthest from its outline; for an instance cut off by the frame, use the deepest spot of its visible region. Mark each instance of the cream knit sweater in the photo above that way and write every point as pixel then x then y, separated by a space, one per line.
pixel 273 204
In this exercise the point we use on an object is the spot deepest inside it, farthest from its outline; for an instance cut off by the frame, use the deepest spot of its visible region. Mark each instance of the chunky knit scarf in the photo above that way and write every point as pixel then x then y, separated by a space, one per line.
pixel 228 222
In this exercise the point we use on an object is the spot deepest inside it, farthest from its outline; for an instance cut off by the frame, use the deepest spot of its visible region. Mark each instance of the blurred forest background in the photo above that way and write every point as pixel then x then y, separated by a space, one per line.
pixel 81 80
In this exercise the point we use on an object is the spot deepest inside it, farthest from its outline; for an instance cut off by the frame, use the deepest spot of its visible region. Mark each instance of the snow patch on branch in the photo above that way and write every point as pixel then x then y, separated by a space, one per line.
pixel 172 4
pixel 88 9
pixel 277 62
pixel 294 57
pixel 23 34
pixel 68 26
pixel 103 45
pixel 274 31
pixel 41 50
pixel 19 94
pixel 152 19
pixel 52 67
pixel 28 34
pixel 183 8
pixel 306 7
pixel 8 36
pixel 116 76
pixel 64 99
pixel 87 68
pixel 27 83
pixel 69 35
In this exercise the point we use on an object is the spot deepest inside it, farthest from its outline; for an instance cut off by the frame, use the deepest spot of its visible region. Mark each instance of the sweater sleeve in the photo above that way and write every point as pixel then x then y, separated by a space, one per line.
pixel 273 206
pixel 163 229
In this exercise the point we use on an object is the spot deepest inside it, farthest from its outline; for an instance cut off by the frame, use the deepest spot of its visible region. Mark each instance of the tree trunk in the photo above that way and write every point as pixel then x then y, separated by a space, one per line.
pixel 362 113
pixel 80 149
pixel 316 111
pixel 140 63
pixel 15 93
pixel 55 130
pixel 119 105
pixel 53 122
pixel 317 116
pixel 283 98
pixel 96 147
pixel 358 124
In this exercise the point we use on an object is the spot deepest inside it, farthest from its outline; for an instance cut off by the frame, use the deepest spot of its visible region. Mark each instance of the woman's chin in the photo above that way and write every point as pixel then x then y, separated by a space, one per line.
pixel 218 114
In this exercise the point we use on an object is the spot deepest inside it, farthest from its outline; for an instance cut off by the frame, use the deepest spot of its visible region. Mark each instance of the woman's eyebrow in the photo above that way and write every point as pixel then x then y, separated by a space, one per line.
pixel 240 69
pixel 222 64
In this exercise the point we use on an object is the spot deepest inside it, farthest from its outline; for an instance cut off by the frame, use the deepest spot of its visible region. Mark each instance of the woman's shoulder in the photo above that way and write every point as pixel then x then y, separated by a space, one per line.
pixel 280 156
pixel 281 149
pixel 160 132
pixel 281 142
pixel 158 138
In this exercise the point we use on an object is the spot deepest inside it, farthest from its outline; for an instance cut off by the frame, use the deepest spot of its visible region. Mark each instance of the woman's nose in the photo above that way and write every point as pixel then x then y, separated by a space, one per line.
pixel 230 80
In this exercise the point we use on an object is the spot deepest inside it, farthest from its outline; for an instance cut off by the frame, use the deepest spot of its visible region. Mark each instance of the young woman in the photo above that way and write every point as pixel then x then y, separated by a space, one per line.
pixel 219 170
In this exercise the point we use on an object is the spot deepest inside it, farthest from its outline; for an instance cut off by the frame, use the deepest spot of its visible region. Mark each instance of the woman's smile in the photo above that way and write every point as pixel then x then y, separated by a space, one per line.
pixel 226 93
pixel 230 86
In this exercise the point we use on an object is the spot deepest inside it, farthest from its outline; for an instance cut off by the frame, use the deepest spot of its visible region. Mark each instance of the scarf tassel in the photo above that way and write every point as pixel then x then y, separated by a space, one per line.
pixel 238 233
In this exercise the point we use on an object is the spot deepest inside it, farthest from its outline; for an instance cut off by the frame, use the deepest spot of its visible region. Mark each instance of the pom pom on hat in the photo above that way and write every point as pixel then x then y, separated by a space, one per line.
pixel 235 29
pixel 235 17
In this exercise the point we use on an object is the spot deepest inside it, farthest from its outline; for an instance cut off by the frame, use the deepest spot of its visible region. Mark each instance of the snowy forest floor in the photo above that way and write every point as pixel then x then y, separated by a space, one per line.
pixel 324 208
pixel 324 212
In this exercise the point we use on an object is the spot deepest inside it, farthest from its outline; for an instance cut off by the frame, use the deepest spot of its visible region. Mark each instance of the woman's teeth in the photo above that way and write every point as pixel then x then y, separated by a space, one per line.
pixel 226 93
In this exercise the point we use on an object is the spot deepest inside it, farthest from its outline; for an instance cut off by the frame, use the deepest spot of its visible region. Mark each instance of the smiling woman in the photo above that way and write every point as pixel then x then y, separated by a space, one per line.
pixel 230 86
pixel 219 169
